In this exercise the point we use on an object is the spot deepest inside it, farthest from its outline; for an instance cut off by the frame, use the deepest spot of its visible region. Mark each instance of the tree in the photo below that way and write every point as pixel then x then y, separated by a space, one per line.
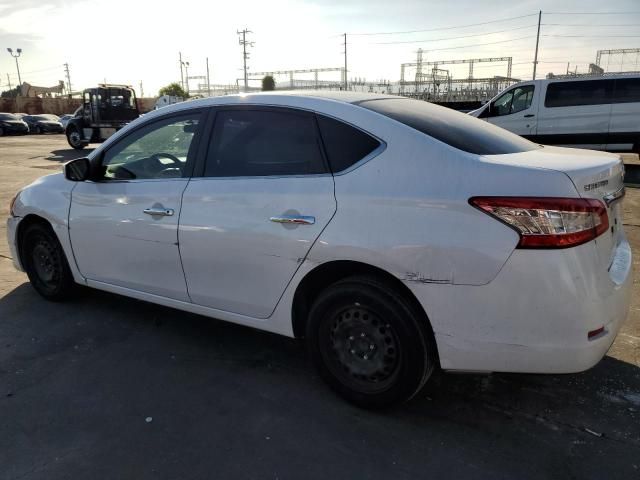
pixel 268 84
pixel 13 93
pixel 173 89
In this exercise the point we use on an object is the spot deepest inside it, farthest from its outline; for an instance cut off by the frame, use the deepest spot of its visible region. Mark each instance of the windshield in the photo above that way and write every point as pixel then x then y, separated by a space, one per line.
pixel 8 116
pixel 459 130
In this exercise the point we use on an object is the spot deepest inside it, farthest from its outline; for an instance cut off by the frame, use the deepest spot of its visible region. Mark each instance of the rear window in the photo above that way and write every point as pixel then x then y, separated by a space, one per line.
pixel 459 130
pixel 575 94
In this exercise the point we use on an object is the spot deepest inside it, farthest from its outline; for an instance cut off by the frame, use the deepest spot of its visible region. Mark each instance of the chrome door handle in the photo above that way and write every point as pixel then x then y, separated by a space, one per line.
pixel 295 219
pixel 165 212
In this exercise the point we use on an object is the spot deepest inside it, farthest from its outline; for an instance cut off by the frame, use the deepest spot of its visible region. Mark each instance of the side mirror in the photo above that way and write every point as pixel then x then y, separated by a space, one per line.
pixel 77 170
pixel 486 112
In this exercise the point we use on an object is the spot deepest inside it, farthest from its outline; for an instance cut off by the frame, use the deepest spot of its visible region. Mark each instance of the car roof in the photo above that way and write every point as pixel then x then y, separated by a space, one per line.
pixel 277 98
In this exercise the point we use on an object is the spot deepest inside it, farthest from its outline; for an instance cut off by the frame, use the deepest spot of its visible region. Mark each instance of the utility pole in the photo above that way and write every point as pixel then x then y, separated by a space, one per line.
pixel 245 55
pixel 16 55
pixel 141 90
pixel 345 62
pixel 208 83
pixel 66 69
pixel 535 59
pixel 9 81
pixel 181 74
pixel 186 76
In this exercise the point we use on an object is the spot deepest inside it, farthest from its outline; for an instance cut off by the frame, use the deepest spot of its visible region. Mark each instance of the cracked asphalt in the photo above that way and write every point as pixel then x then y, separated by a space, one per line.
pixel 110 387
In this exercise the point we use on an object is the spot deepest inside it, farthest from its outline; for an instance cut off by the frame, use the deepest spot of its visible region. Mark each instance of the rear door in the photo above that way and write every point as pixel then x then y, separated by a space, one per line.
pixel 262 198
pixel 624 129
pixel 515 110
pixel 575 113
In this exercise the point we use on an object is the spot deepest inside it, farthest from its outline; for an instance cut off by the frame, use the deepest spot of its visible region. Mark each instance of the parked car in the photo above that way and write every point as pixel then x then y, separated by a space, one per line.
pixel 46 123
pixel 590 112
pixel 394 235
pixel 12 125
pixel 64 119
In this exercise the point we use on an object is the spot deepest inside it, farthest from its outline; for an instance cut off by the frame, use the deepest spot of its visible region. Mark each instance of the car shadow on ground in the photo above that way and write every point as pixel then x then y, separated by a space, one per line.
pixel 84 379
pixel 68 154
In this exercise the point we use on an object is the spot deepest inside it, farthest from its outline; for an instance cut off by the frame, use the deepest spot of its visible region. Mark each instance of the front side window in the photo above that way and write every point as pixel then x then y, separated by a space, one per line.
pixel 250 143
pixel 578 93
pixel 627 90
pixel 513 101
pixel 158 150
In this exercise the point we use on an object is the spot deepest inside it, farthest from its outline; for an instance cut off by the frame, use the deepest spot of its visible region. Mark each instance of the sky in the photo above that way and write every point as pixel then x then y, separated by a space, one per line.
pixel 138 41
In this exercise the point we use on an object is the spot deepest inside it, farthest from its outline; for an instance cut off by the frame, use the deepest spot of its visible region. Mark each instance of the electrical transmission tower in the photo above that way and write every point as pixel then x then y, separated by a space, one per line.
pixel 243 41
pixel 66 70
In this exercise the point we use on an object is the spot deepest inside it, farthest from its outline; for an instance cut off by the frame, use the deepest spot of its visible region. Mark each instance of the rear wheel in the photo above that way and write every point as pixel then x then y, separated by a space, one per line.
pixel 1 132
pixel 45 263
pixel 369 344
pixel 74 138
pixel 38 130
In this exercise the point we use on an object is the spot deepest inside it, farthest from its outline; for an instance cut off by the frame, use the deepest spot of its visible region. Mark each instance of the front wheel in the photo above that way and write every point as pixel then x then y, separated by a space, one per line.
pixel 74 138
pixel 45 263
pixel 369 344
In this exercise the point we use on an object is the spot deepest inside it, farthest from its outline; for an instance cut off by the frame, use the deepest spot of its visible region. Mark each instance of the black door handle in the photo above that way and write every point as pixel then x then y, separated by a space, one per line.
pixel 529 115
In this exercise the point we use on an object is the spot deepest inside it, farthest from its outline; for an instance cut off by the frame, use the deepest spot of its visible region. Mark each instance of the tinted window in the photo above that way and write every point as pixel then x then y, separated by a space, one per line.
pixel 573 94
pixel 158 150
pixel 249 143
pixel 453 128
pixel 344 144
pixel 8 116
pixel 627 90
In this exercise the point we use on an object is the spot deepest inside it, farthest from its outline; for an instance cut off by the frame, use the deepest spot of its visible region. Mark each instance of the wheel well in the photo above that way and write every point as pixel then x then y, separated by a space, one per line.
pixel 328 273
pixel 26 222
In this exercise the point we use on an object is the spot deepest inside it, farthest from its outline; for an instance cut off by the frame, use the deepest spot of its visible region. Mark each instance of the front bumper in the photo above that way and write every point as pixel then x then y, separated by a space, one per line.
pixel 534 317
pixel 12 240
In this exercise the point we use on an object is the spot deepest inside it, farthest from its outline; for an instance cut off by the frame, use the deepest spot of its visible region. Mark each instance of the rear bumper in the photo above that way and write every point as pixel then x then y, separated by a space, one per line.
pixel 12 240
pixel 534 317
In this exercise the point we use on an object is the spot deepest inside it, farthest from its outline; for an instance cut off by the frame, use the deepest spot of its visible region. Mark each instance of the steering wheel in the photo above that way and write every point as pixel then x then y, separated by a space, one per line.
pixel 170 170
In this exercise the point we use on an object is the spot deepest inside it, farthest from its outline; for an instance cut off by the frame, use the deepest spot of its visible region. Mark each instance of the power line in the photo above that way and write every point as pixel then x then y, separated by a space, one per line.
pixel 590 25
pixel 592 13
pixel 479 44
pixel 592 36
pixel 447 28
pixel 455 38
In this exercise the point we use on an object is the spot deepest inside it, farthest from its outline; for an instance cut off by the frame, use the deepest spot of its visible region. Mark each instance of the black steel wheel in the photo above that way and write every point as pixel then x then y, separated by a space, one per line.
pixel 74 138
pixel 369 343
pixel 45 263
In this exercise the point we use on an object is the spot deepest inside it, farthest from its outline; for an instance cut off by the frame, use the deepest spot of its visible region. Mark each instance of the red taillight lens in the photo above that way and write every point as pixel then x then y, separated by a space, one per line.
pixel 548 222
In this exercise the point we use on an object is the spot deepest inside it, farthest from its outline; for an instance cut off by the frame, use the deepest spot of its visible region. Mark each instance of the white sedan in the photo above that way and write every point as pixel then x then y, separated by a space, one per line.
pixel 394 235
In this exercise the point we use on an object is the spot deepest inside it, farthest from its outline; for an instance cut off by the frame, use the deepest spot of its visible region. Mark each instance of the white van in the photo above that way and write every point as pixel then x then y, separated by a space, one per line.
pixel 601 113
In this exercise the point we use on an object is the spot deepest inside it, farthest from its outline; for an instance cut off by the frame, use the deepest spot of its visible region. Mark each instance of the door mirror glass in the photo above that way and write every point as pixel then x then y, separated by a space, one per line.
pixel 77 170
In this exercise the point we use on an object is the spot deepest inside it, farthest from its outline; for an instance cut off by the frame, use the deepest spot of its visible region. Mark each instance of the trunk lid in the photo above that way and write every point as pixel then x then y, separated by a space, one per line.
pixel 597 175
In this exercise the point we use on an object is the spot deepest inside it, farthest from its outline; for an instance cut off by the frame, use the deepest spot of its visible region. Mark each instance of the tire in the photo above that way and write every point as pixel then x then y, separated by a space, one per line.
pixel 369 344
pixel 74 139
pixel 1 132
pixel 45 263
pixel 38 131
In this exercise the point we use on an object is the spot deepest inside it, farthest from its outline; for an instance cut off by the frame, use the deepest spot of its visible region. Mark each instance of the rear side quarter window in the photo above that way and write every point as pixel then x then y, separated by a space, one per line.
pixel 345 145
pixel 578 93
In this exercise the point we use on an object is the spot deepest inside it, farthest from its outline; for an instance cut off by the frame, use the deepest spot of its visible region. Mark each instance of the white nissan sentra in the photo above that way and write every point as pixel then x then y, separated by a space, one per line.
pixel 394 235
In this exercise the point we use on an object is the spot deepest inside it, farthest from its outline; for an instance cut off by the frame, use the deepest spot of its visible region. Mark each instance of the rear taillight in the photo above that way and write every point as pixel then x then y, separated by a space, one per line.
pixel 548 222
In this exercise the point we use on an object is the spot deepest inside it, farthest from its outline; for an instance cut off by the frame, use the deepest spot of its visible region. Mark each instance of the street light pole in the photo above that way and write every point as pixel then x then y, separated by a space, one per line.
pixel 17 54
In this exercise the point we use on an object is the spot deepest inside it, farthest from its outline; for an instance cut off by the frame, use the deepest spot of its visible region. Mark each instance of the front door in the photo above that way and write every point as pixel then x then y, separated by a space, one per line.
pixel 515 111
pixel 124 224
pixel 263 197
